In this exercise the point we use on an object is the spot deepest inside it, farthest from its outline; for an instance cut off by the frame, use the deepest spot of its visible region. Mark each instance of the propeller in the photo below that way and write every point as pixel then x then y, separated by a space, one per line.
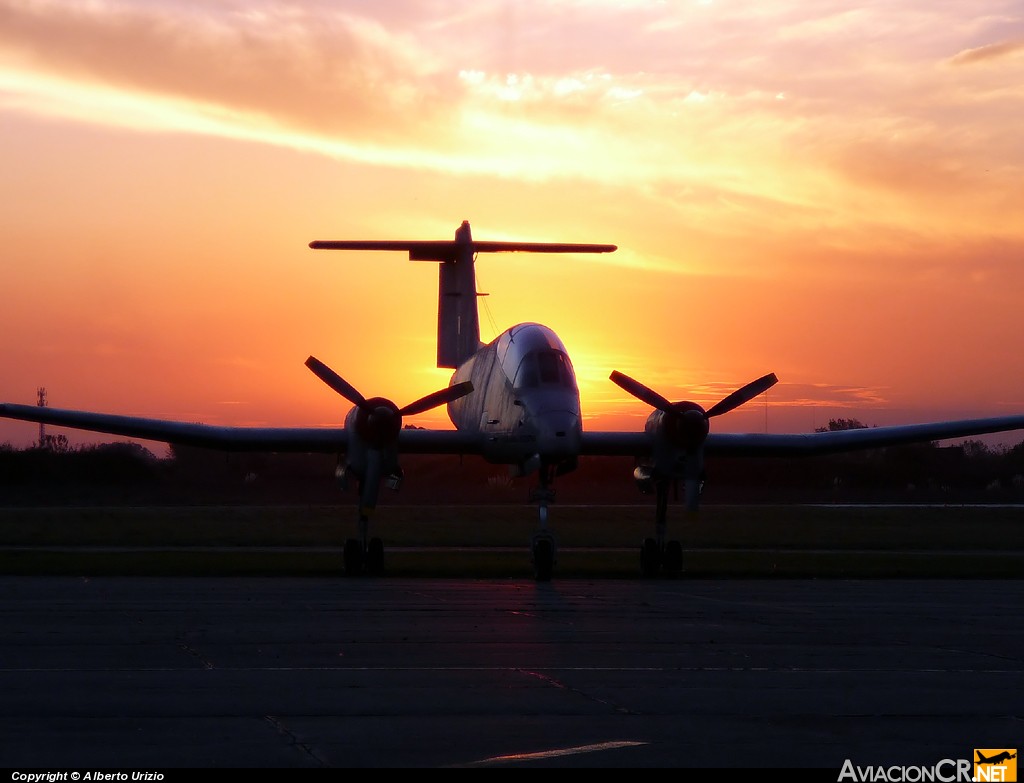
pixel 686 425
pixel 641 392
pixel 335 381
pixel 733 401
pixel 379 419
pixel 743 394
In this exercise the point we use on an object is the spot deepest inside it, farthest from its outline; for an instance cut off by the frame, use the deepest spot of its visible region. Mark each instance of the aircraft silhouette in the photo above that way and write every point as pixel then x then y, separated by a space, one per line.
pixel 513 401
pixel 996 759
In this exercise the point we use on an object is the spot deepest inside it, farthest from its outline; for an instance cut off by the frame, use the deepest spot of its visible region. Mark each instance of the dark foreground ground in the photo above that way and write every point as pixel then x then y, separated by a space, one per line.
pixel 151 673
pixel 222 636
pixel 485 541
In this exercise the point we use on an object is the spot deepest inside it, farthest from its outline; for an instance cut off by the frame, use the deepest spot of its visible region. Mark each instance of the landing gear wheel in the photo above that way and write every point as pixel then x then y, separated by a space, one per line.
pixel 673 563
pixel 375 557
pixel 650 558
pixel 543 559
pixel 353 557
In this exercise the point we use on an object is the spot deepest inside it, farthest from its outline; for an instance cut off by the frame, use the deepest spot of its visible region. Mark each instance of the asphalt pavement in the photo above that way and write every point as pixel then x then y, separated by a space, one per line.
pixel 163 673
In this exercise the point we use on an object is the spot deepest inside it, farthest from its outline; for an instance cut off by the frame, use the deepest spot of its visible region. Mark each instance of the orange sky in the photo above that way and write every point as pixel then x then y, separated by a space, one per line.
pixel 827 190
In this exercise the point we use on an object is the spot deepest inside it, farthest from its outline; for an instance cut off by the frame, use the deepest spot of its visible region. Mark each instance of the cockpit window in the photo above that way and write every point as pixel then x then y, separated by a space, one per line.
pixel 549 364
pixel 527 378
pixel 544 368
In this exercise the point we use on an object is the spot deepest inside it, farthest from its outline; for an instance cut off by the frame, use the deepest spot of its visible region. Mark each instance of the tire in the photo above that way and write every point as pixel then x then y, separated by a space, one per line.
pixel 650 559
pixel 673 563
pixel 543 560
pixel 375 557
pixel 353 557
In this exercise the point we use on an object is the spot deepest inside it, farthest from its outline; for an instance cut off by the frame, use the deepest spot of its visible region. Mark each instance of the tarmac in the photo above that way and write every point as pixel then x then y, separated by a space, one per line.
pixel 151 673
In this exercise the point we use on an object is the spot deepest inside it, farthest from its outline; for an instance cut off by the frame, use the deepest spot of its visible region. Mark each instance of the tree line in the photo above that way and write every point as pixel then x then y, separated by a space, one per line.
pixel 56 471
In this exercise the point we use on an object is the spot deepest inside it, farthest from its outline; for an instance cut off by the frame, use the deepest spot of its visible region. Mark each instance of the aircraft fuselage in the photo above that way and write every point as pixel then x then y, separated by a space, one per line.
pixel 526 402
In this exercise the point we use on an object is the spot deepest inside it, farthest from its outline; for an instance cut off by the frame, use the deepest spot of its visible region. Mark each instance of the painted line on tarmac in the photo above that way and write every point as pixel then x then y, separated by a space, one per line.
pixel 550 754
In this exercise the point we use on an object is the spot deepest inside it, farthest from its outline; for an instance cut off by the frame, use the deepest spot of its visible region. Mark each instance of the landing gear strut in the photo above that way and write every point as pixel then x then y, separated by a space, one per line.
pixel 657 555
pixel 364 555
pixel 542 543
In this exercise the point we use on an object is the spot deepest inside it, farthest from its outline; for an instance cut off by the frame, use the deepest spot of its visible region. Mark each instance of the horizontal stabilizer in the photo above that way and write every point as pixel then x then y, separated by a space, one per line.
pixel 446 250
pixel 458 323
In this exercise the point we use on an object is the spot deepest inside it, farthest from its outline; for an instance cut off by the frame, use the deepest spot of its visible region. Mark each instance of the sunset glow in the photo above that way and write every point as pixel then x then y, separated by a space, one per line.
pixel 830 191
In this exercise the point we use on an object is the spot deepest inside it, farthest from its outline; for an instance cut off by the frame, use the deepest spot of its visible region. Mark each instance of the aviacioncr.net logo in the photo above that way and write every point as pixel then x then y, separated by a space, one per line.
pixel 995 764
pixel 944 771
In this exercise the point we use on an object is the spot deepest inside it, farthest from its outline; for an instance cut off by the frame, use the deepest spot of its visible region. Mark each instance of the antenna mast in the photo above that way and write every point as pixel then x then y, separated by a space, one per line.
pixel 41 394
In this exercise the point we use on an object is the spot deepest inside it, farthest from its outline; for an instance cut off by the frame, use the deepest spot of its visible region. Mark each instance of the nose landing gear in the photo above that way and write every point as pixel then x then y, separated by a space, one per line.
pixel 542 544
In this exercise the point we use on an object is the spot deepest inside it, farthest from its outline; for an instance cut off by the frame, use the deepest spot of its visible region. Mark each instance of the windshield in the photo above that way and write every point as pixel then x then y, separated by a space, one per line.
pixel 544 368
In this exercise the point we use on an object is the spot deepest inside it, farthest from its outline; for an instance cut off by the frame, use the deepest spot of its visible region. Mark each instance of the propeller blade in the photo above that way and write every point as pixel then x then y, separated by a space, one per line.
pixel 440 397
pixel 641 392
pixel 335 381
pixel 745 394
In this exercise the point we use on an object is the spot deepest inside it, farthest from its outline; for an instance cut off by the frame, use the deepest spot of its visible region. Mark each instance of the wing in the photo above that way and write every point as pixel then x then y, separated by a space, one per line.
pixel 294 439
pixel 307 439
pixel 814 443
pixel 804 444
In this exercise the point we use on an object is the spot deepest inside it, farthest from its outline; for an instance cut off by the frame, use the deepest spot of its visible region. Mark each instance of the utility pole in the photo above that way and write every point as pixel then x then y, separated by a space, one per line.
pixel 41 394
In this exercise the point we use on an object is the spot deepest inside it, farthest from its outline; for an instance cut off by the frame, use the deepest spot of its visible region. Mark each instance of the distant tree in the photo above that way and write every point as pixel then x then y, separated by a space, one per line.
pixel 835 425
pixel 976 449
pixel 58 444
pixel 199 464
pixel 1014 458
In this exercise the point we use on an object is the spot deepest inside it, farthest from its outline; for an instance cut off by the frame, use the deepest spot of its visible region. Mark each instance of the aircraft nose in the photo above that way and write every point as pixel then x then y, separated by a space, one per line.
pixel 558 433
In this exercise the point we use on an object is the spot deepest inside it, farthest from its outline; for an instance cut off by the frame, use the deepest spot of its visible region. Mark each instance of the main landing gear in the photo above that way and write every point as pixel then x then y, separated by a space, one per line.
pixel 364 555
pixel 658 556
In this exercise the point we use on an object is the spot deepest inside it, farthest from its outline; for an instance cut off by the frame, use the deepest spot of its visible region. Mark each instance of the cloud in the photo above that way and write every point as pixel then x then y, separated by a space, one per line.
pixel 995 51
pixel 300 67
pixel 827 395
pixel 678 102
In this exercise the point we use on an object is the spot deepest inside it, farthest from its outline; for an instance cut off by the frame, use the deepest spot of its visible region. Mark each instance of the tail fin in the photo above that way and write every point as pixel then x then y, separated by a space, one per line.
pixel 458 321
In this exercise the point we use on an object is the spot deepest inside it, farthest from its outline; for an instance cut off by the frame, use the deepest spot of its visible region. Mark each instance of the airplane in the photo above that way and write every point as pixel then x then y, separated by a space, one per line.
pixel 514 401
pixel 996 759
